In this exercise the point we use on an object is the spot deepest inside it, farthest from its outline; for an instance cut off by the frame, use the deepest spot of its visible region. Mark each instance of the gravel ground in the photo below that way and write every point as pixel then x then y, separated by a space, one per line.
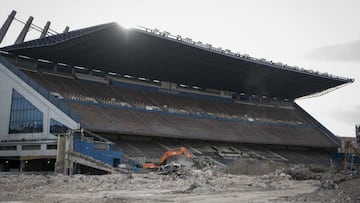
pixel 143 187
pixel 292 184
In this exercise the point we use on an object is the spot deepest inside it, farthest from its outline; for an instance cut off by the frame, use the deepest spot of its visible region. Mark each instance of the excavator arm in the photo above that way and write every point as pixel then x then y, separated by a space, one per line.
pixel 166 155
pixel 177 152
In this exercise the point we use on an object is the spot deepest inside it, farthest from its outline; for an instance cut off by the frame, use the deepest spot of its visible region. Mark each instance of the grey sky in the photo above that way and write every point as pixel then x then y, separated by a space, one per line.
pixel 323 35
pixel 343 52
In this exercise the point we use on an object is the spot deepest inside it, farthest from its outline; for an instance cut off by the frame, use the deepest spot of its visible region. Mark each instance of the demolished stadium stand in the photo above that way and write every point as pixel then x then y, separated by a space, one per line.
pixel 148 91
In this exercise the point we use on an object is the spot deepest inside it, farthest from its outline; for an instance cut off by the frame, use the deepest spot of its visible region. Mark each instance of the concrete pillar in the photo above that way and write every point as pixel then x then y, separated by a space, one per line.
pixel 64 163
pixel 22 165
pixel 60 156
pixel 69 162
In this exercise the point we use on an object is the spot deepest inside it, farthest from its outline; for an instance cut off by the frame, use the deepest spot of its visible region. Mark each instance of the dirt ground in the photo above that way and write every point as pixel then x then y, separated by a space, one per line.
pixel 296 183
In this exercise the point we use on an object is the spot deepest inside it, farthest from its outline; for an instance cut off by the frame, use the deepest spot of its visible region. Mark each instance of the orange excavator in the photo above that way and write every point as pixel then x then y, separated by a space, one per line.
pixel 166 155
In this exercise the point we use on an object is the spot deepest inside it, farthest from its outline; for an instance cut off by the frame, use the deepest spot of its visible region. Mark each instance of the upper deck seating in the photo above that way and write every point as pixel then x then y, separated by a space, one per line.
pixel 128 110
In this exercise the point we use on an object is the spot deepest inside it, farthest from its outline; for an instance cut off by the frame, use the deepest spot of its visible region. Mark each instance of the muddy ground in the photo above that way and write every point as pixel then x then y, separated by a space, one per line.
pixel 297 183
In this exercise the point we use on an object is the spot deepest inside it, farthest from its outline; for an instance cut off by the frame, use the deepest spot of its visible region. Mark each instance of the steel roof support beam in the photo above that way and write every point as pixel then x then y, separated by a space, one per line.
pixel 66 29
pixel 24 31
pixel 6 25
pixel 45 30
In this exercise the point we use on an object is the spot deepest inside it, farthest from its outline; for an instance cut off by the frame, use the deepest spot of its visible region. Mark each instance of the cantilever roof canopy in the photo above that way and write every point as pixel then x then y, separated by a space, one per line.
pixel 111 48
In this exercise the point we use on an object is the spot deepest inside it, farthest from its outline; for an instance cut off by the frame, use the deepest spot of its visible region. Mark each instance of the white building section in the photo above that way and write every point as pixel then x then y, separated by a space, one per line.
pixel 39 143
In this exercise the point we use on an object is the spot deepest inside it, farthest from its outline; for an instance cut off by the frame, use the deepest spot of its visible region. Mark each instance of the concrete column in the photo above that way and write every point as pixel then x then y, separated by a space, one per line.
pixel 69 162
pixel 60 156
pixel 22 165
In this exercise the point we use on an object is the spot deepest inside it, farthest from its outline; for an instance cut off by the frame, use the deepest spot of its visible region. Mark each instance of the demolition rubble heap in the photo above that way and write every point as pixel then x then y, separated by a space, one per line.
pixel 204 181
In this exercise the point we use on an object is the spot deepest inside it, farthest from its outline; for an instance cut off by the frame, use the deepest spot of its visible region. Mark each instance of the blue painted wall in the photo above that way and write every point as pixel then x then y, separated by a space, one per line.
pixel 87 148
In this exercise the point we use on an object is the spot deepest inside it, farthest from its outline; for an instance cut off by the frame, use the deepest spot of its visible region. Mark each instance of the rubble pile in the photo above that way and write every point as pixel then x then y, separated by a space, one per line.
pixel 333 186
pixel 204 163
pixel 204 178
pixel 250 166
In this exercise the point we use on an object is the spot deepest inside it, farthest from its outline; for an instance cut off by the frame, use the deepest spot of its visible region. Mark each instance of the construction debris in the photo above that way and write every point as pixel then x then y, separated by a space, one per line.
pixel 253 166
pixel 204 180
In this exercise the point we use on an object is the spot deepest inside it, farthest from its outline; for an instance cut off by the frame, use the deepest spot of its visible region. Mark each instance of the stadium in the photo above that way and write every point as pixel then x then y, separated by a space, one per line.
pixel 139 92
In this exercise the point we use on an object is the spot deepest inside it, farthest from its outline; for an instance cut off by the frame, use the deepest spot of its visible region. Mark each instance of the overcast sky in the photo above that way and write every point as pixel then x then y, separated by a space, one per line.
pixel 323 35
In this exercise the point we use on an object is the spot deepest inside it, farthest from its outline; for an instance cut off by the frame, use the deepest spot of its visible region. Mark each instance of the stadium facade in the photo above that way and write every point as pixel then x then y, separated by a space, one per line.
pixel 148 91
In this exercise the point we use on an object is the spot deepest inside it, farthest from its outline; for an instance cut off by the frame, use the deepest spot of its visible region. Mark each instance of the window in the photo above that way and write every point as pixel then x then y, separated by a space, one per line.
pixel 51 146
pixel 25 117
pixel 57 127
pixel 4 148
pixel 30 147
